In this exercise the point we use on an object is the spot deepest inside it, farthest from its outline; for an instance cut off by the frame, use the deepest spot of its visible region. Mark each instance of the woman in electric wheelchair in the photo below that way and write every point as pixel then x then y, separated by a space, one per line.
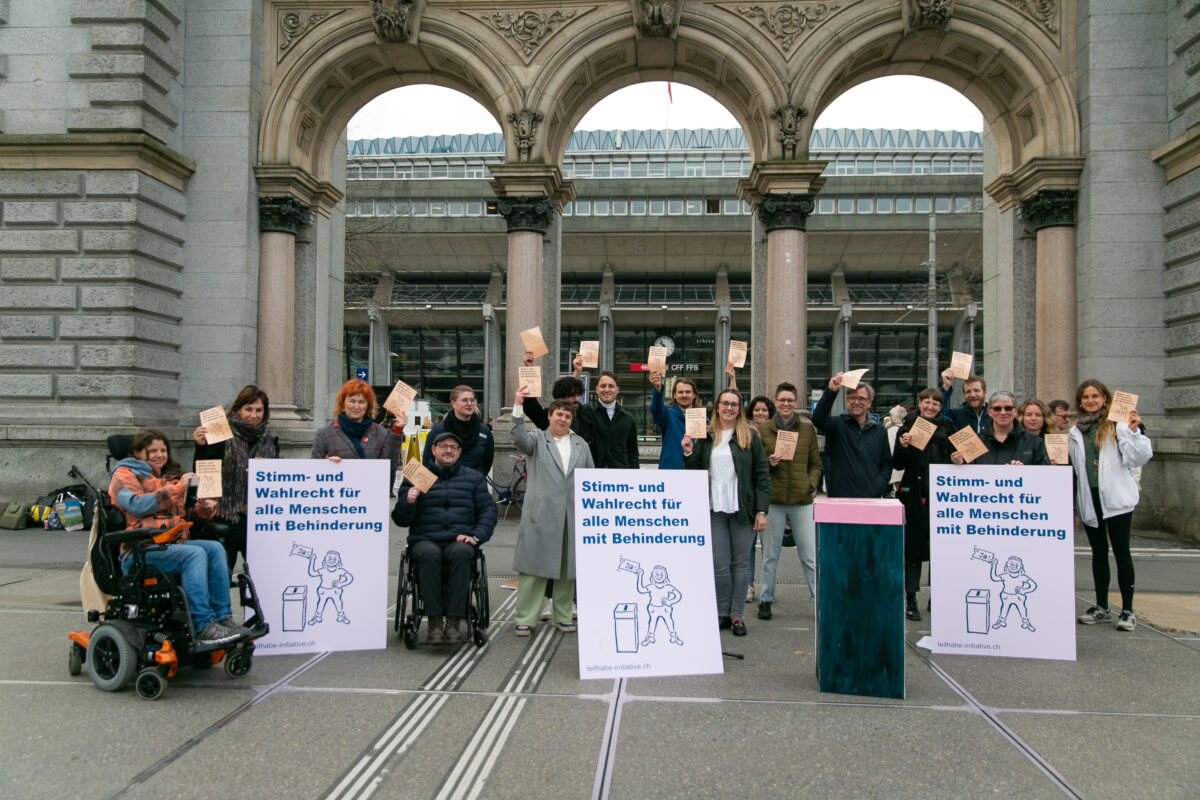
pixel 445 525
pixel 150 488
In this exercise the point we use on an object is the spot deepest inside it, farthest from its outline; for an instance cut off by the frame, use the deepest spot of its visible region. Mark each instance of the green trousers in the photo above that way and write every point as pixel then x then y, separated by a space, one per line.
pixel 530 589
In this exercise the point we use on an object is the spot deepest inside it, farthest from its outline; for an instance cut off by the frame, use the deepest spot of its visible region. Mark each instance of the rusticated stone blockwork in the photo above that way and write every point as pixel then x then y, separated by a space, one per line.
pixel 90 289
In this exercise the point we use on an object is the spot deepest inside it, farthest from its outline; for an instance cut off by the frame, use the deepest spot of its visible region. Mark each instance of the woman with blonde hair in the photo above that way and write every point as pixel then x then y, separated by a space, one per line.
pixel 1103 456
pixel 739 482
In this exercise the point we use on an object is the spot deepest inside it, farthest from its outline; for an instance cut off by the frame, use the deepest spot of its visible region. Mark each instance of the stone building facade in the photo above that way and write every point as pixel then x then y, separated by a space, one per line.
pixel 171 228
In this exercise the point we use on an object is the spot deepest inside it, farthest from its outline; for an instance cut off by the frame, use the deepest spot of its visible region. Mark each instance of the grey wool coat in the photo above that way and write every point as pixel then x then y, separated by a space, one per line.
pixel 548 512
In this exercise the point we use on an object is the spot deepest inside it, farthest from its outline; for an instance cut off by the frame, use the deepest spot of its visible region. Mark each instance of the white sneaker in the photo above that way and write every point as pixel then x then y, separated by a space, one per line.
pixel 752 592
pixel 547 608
pixel 1127 621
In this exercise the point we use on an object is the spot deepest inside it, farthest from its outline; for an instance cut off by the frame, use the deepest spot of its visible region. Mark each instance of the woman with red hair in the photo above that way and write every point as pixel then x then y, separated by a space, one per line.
pixel 353 434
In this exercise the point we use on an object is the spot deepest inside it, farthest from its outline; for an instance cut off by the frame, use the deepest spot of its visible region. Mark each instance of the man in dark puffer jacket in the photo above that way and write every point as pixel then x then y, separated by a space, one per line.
pixel 445 525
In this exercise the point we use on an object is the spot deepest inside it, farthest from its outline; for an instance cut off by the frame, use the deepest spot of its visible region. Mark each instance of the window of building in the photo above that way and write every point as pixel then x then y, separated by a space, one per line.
pixel 620 208
pixel 620 169
pixel 731 206
pixel 824 205
pixel 568 208
pixel 922 205
pixel 420 209
pixel 712 205
pixel 883 205
pixel 637 207
pixel 583 208
pixel 583 169
pixel 599 208
pixel 865 205
pixel 474 208
pixel 695 207
pixel 674 207
pixel 904 205
pixel 941 205
pixel 658 208
pixel 656 169
pixel 455 208
pixel 675 169
pixel 845 205
pixel 962 205
pixel 601 169
pixel 638 169
pixel 439 171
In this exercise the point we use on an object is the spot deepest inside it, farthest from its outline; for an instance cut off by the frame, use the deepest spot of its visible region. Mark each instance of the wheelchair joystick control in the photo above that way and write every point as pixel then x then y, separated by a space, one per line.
pixel 131 611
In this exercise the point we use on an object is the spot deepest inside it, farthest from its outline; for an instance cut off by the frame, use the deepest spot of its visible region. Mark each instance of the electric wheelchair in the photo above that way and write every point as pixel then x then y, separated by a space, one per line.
pixel 410 609
pixel 145 631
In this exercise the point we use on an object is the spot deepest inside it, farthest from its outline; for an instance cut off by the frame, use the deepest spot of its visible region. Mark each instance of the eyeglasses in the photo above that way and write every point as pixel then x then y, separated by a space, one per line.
pixel 729 404
pixel 450 448
pixel 1003 409
pixel 785 401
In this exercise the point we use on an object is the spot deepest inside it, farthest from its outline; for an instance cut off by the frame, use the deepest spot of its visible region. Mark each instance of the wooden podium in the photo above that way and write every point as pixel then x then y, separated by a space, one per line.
pixel 860 596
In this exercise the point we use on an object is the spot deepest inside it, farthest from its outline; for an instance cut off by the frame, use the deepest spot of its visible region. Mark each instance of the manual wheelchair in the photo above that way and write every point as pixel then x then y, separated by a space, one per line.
pixel 145 631
pixel 410 608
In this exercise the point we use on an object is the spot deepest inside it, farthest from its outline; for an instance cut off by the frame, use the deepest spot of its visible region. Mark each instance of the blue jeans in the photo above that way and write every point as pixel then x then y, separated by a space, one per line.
pixel 203 576
pixel 804 531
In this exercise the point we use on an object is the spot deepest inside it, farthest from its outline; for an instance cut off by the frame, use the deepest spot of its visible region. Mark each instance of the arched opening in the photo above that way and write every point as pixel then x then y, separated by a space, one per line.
pixel 905 174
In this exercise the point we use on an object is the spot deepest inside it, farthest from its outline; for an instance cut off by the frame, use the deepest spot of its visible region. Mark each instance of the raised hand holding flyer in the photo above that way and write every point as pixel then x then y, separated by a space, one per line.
pixel 960 365
pixel 216 425
pixel 591 354
pixel 785 445
pixel 922 431
pixel 400 399
pixel 968 443
pixel 534 343
pixel 656 362
pixel 696 424
pixel 737 353
pixel 850 379
pixel 531 379
pixel 417 474
pixel 1122 404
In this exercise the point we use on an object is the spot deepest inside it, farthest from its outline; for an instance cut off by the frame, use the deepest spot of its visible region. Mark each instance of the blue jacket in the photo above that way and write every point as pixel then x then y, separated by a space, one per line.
pixel 860 461
pixel 670 423
pixel 963 416
pixel 459 503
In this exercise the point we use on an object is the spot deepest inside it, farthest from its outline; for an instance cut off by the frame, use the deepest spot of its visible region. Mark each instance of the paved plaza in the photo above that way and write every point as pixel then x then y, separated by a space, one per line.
pixel 513 719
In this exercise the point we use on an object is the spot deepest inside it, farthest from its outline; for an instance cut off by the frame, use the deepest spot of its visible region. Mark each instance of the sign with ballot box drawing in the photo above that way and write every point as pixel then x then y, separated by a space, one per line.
pixel 1002 554
pixel 644 574
pixel 317 537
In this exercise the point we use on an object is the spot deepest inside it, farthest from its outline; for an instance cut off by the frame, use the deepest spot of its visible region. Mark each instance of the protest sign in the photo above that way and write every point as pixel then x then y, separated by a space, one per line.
pixel 785 444
pixel 400 398
pixel 317 534
pixel 591 354
pixel 209 472
pixel 850 379
pixel 737 353
pixel 216 425
pixel 644 572
pixel 695 423
pixel 1002 548
pixel 960 365
pixel 534 343
pixel 531 379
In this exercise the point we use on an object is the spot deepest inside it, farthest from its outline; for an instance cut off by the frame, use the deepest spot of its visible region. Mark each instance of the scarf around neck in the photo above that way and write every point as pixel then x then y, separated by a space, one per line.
pixel 467 432
pixel 249 441
pixel 1086 421
pixel 355 431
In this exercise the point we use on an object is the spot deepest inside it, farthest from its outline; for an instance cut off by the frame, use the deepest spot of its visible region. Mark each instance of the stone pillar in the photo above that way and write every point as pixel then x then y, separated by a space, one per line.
pixel 784 194
pixel 1051 212
pixel 531 196
pixel 279 220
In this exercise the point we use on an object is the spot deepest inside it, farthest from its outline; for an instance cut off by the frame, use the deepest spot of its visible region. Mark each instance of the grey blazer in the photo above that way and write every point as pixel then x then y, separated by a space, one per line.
pixel 548 511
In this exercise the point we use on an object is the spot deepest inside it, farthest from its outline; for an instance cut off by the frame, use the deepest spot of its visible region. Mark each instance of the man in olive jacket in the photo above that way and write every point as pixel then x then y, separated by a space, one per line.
pixel 793 485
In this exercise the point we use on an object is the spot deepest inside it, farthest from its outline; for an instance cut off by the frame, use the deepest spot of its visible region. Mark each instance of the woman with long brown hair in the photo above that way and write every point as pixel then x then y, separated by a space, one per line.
pixel 739 483
pixel 1103 455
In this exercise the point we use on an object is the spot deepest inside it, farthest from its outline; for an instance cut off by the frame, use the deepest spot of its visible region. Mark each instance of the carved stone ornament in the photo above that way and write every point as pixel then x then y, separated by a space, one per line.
pixel 524 125
pixel 784 212
pixel 1044 11
pixel 526 28
pixel 294 24
pixel 1051 208
pixel 788 23
pixel 393 19
pixel 527 213
pixel 789 120
pixel 282 215
pixel 657 20
pixel 931 14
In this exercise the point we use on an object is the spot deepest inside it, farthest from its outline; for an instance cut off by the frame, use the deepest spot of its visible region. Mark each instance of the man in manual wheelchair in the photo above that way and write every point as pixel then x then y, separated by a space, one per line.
pixel 446 526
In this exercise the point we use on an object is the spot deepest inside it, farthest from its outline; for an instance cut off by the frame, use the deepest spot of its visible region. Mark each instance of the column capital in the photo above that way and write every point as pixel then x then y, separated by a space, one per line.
pixel 1050 208
pixel 1035 175
pixel 281 215
pixel 286 181
pixel 529 180
pixel 780 212
pixel 533 213
pixel 781 177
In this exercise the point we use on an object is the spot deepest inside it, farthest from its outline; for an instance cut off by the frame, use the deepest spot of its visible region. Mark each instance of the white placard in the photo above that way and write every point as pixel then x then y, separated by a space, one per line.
pixel 317 537
pixel 644 574
pixel 1002 553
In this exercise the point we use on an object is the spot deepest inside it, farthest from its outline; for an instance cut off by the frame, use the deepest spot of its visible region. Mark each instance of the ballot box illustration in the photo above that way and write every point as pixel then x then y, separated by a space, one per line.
pixel 625 627
pixel 979 610
pixel 860 596
pixel 294 603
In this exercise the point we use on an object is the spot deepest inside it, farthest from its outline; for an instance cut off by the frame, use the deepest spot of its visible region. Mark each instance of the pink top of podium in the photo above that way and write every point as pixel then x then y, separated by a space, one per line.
pixel 858 511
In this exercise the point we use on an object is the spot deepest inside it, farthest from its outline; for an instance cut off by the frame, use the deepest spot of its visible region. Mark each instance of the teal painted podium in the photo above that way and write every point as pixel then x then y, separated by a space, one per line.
pixel 860 596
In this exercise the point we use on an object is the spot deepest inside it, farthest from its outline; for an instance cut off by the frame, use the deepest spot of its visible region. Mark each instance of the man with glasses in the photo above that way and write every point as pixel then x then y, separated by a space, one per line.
pixel 445 525
pixel 1007 442
pixel 793 485
pixel 1061 410
pixel 860 461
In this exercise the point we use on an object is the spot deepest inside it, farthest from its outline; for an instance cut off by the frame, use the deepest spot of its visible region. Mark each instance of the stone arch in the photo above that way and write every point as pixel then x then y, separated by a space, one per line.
pixel 1010 68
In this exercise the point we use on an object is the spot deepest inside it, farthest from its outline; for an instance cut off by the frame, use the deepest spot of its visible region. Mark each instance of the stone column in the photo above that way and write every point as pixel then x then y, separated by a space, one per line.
pixel 1051 212
pixel 279 220
pixel 530 197
pixel 784 194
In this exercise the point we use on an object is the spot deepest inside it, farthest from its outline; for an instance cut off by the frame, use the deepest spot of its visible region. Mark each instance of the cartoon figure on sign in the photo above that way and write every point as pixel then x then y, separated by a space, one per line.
pixel 1016 587
pixel 663 597
pixel 334 578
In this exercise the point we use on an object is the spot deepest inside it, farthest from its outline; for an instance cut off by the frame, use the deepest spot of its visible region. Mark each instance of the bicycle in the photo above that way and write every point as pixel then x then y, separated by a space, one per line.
pixel 512 493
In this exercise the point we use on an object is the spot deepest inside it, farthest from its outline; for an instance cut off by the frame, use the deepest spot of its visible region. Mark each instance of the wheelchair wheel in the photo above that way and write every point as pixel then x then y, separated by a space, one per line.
pixel 76 658
pixel 518 491
pixel 479 636
pixel 150 684
pixel 479 594
pixel 406 619
pixel 111 659
pixel 237 663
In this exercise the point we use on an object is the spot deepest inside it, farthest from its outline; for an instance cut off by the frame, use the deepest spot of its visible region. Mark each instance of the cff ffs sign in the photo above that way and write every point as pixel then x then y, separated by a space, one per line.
pixel 670 368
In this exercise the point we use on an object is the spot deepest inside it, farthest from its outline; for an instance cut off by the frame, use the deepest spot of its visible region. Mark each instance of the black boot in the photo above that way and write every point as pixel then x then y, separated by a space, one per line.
pixel 910 607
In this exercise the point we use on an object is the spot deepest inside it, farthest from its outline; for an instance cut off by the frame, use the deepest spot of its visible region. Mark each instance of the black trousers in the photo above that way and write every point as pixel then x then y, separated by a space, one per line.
pixel 1115 530
pixel 443 572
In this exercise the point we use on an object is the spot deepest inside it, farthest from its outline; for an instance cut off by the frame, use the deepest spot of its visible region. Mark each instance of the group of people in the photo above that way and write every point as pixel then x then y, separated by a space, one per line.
pixel 754 492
